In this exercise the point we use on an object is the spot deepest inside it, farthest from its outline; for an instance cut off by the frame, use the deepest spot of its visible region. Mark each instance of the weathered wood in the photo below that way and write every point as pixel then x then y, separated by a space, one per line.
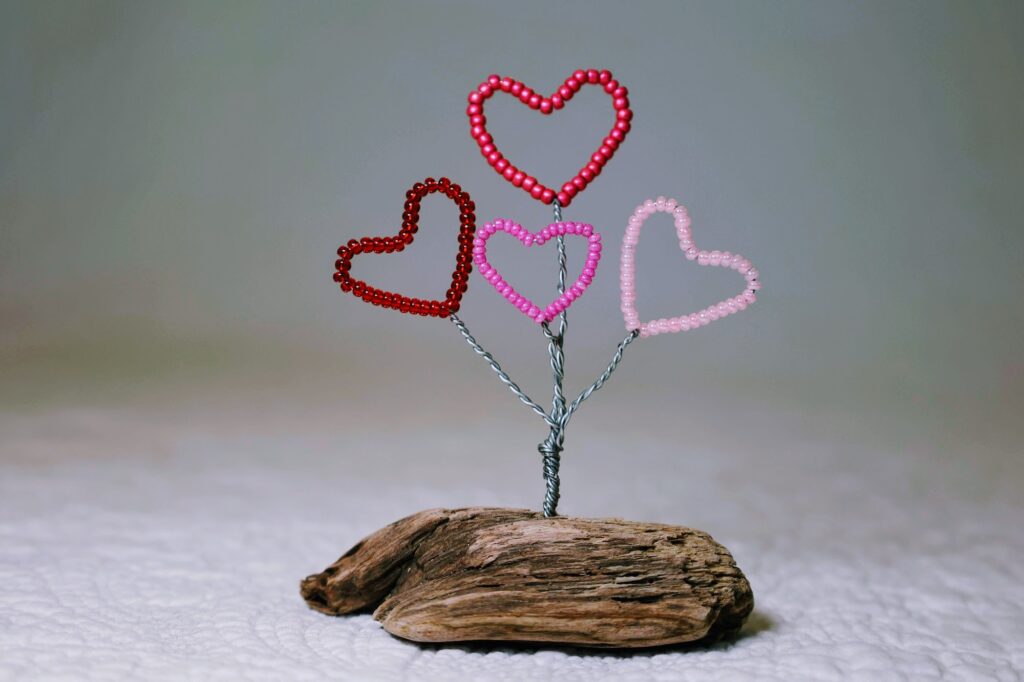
pixel 446 575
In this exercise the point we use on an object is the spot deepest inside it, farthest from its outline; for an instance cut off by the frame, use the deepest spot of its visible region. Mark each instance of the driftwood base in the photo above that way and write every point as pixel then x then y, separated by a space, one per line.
pixel 446 575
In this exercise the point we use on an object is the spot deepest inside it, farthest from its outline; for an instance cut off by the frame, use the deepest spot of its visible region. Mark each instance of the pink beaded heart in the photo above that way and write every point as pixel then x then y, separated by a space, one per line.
pixel 525 305
pixel 546 105
pixel 718 258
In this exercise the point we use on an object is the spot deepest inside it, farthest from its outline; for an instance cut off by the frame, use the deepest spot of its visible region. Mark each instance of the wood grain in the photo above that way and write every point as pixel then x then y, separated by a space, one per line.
pixel 493 574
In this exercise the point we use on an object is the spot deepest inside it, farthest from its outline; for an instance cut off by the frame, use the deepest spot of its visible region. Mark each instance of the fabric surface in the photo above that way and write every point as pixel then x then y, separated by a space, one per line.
pixel 168 541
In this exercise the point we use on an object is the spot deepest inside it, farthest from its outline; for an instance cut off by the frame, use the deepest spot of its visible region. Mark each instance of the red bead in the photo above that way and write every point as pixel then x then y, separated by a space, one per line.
pixel 592 76
pixel 547 196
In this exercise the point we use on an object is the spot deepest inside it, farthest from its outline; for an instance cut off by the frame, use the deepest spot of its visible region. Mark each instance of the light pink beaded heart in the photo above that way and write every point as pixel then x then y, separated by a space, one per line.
pixel 627 272
pixel 525 305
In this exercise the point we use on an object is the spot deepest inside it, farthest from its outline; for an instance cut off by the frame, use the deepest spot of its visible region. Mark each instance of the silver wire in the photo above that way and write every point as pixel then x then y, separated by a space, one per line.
pixel 505 378
pixel 551 447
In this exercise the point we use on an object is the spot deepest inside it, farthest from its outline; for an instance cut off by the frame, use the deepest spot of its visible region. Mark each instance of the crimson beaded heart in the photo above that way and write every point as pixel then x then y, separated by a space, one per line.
pixel 405 236
pixel 546 105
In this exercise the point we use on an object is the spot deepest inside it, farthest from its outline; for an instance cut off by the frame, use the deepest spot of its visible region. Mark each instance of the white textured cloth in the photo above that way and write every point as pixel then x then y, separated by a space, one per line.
pixel 167 544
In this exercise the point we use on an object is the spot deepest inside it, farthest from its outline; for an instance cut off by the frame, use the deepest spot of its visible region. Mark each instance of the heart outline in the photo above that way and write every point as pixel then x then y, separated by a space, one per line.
pixel 683 223
pixel 527 238
pixel 547 105
pixel 405 237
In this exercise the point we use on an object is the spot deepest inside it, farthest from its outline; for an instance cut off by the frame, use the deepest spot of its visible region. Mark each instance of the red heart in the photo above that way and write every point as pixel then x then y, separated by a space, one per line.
pixel 572 85
pixel 410 219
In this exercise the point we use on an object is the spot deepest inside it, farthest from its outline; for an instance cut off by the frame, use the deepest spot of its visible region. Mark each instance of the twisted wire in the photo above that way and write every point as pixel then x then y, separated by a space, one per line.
pixel 605 376
pixel 551 447
pixel 505 378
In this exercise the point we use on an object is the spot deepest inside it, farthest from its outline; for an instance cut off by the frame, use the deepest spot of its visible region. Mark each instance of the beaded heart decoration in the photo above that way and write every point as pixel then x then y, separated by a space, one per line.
pixel 405 237
pixel 527 238
pixel 472 248
pixel 546 105
pixel 724 259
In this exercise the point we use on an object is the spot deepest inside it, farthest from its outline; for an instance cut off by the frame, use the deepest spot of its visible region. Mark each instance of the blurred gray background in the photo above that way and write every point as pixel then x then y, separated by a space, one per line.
pixel 175 178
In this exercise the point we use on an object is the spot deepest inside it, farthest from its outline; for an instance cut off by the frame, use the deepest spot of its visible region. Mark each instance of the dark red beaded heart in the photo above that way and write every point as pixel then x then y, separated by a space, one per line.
pixel 410 220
